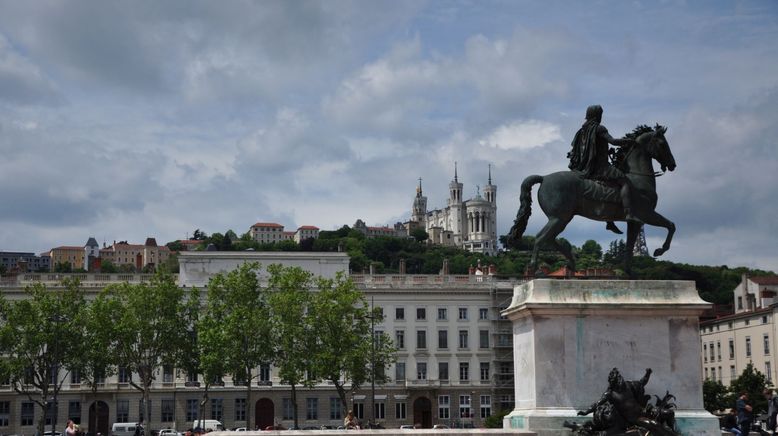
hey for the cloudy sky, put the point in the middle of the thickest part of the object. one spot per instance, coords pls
(123, 120)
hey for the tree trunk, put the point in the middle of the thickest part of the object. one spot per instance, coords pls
(294, 406)
(97, 410)
(248, 401)
(204, 401)
(341, 394)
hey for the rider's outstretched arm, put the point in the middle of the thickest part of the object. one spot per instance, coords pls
(619, 142)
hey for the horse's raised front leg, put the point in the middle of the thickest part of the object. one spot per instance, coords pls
(653, 218)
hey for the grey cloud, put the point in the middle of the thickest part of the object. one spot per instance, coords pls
(22, 82)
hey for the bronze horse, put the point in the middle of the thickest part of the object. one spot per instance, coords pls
(565, 194)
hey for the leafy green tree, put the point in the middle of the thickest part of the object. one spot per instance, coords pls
(294, 336)
(342, 319)
(495, 420)
(108, 267)
(41, 339)
(148, 330)
(199, 235)
(716, 396)
(126, 268)
(203, 345)
(420, 235)
(592, 249)
(63, 267)
(752, 382)
(242, 309)
(98, 357)
(175, 246)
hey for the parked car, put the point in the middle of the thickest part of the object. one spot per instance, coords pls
(440, 426)
(170, 432)
(49, 433)
(407, 427)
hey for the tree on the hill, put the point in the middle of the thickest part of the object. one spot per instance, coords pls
(419, 234)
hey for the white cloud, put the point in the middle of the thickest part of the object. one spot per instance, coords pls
(522, 135)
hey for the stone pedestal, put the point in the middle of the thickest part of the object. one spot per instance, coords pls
(569, 334)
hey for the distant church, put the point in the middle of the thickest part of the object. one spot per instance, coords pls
(469, 224)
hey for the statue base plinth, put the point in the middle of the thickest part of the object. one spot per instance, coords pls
(569, 334)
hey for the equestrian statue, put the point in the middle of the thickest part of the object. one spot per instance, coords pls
(598, 189)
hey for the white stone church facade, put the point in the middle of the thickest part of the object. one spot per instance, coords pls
(468, 224)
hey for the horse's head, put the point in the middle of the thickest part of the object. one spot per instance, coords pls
(662, 152)
(655, 143)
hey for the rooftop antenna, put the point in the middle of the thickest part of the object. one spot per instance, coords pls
(490, 174)
(456, 179)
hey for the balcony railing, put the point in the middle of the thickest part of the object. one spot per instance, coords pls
(87, 280)
(422, 384)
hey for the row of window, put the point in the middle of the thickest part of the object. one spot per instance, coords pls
(443, 372)
(421, 313)
(714, 353)
(421, 339)
(711, 374)
(747, 321)
(167, 410)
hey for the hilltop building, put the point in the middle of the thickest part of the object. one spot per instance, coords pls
(270, 233)
(24, 262)
(468, 224)
(398, 231)
(149, 254)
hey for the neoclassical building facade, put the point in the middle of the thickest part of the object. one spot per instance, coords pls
(454, 358)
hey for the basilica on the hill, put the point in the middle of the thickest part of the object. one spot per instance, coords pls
(469, 224)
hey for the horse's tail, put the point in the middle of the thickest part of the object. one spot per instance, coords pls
(525, 210)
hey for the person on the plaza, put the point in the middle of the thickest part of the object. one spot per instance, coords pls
(772, 410)
(351, 421)
(729, 423)
(589, 157)
(71, 430)
(745, 413)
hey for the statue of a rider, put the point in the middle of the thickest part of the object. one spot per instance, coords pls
(589, 157)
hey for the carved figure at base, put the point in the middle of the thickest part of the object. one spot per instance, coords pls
(624, 409)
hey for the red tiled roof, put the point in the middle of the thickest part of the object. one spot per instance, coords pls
(267, 225)
(564, 272)
(765, 280)
(307, 228)
(190, 241)
(68, 247)
(288, 233)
